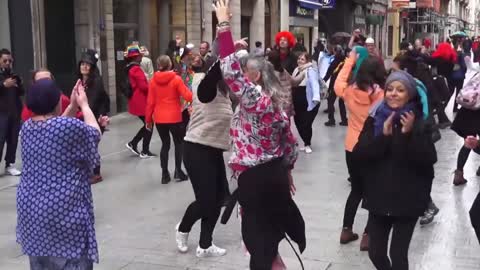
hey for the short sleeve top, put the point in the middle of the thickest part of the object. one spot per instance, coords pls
(54, 200)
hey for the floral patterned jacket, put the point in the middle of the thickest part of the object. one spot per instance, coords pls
(259, 132)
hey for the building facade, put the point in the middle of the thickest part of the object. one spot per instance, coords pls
(54, 33)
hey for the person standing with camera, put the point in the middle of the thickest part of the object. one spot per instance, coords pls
(11, 89)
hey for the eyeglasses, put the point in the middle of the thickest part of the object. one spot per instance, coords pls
(8, 61)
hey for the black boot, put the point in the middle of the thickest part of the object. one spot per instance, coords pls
(180, 175)
(166, 177)
(330, 123)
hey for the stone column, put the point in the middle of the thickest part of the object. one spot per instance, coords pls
(257, 24)
(109, 64)
(284, 15)
(194, 25)
(164, 26)
(235, 22)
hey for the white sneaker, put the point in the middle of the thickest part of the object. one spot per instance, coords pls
(301, 148)
(181, 239)
(212, 251)
(10, 170)
(308, 150)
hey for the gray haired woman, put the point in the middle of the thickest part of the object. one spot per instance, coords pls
(264, 151)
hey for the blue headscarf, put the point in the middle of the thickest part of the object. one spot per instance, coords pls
(362, 55)
(415, 88)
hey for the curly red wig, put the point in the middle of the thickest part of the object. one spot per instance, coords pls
(446, 52)
(289, 36)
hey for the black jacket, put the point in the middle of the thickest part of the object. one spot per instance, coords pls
(290, 63)
(397, 170)
(98, 99)
(333, 71)
(10, 101)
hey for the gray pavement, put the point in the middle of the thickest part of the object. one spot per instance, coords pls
(136, 215)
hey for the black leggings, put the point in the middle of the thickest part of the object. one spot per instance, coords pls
(475, 216)
(164, 131)
(379, 231)
(143, 134)
(206, 168)
(463, 156)
(331, 107)
(356, 194)
(303, 118)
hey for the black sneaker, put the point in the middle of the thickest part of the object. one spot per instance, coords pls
(133, 148)
(343, 123)
(180, 176)
(330, 123)
(166, 177)
(147, 154)
(427, 218)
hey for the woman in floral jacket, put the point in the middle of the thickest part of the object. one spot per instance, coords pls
(264, 151)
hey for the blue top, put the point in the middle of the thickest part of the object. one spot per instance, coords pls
(54, 199)
(313, 88)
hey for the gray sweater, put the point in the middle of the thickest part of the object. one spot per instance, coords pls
(210, 122)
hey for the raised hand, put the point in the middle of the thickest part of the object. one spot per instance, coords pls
(81, 96)
(241, 44)
(103, 121)
(222, 10)
(388, 125)
(407, 119)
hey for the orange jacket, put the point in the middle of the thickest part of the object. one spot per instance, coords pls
(357, 101)
(163, 102)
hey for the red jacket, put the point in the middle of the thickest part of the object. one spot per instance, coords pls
(138, 103)
(164, 104)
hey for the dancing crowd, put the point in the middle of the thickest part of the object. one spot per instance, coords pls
(223, 98)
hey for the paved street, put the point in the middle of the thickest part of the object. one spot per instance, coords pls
(136, 215)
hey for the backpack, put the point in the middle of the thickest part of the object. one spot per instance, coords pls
(469, 96)
(126, 86)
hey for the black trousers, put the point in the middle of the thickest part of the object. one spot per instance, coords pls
(303, 118)
(455, 87)
(96, 170)
(356, 194)
(164, 130)
(206, 168)
(463, 156)
(379, 232)
(9, 131)
(185, 121)
(331, 107)
(143, 134)
(475, 216)
(264, 195)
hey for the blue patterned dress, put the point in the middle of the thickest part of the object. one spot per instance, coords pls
(54, 199)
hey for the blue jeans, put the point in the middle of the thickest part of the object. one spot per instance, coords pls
(9, 130)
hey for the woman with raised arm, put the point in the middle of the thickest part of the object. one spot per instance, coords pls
(264, 151)
(55, 219)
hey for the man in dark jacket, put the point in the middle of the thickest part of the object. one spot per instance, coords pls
(11, 89)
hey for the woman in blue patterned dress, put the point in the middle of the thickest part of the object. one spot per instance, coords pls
(54, 201)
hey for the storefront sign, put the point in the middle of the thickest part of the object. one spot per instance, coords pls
(359, 22)
(424, 3)
(298, 11)
(317, 4)
(396, 4)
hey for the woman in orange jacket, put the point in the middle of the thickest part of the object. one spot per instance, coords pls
(165, 109)
(359, 85)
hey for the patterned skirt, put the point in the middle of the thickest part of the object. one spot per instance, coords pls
(55, 263)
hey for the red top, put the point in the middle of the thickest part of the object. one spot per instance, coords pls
(164, 104)
(138, 102)
(27, 114)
